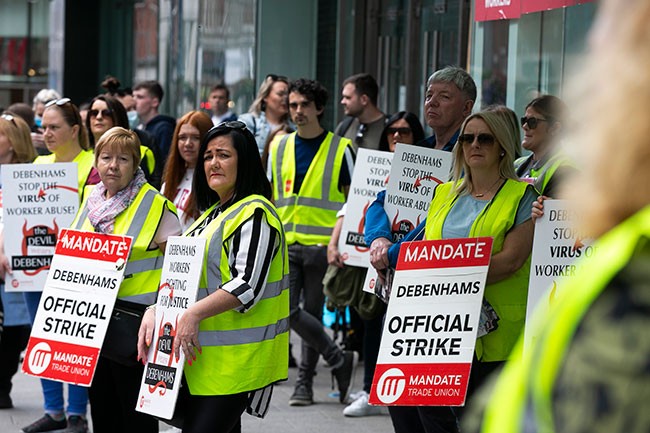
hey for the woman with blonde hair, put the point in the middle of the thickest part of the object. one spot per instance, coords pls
(15, 148)
(123, 203)
(181, 161)
(587, 371)
(270, 109)
(484, 198)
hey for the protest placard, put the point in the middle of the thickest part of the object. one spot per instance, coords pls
(431, 323)
(38, 201)
(179, 284)
(415, 173)
(371, 171)
(556, 246)
(76, 305)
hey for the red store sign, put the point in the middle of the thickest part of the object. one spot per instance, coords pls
(490, 10)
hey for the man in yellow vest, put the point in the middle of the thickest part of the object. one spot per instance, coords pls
(311, 172)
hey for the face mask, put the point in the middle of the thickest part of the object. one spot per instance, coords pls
(38, 121)
(133, 119)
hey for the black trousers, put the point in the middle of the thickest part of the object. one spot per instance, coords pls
(113, 396)
(14, 340)
(215, 414)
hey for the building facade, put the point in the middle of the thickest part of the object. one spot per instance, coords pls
(514, 49)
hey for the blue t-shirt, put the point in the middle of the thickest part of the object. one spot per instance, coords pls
(306, 149)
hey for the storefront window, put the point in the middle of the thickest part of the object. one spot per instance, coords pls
(519, 59)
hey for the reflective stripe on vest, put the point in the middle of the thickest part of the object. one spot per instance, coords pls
(309, 215)
(522, 397)
(244, 336)
(143, 268)
(509, 296)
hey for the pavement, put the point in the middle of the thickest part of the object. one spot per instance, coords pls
(322, 417)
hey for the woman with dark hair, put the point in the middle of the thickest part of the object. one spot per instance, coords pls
(106, 112)
(401, 127)
(543, 123)
(270, 109)
(243, 289)
(181, 161)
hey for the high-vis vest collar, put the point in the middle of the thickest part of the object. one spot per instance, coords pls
(84, 159)
(522, 398)
(242, 351)
(542, 176)
(310, 215)
(507, 297)
(140, 221)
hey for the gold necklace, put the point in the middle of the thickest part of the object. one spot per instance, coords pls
(479, 195)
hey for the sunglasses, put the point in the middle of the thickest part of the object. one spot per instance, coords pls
(276, 77)
(483, 139)
(58, 102)
(400, 131)
(105, 113)
(531, 121)
(9, 118)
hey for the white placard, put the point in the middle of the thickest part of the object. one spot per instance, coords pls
(431, 324)
(556, 246)
(371, 171)
(38, 201)
(415, 172)
(179, 284)
(76, 305)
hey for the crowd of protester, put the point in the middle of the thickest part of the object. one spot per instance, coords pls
(268, 189)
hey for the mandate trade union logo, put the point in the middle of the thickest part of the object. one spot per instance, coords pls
(40, 357)
(391, 385)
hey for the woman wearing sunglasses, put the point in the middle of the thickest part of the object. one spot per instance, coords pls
(66, 137)
(484, 198)
(106, 112)
(270, 109)
(543, 123)
(235, 337)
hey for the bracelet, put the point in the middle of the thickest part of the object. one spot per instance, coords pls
(150, 307)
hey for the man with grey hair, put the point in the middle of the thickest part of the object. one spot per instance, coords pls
(450, 97)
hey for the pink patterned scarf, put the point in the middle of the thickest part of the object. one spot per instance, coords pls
(102, 211)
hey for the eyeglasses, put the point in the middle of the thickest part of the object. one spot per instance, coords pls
(400, 131)
(531, 121)
(483, 139)
(9, 118)
(58, 102)
(231, 124)
(276, 77)
(105, 113)
(358, 139)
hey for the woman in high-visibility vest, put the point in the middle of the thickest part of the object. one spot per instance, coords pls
(543, 125)
(235, 338)
(123, 203)
(65, 136)
(587, 369)
(15, 148)
(485, 198)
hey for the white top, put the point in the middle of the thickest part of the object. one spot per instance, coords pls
(181, 197)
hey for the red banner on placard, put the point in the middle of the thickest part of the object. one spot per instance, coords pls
(488, 10)
(421, 384)
(448, 253)
(56, 360)
(94, 246)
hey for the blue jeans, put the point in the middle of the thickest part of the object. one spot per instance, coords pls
(52, 390)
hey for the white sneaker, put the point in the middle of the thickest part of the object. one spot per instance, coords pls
(360, 407)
